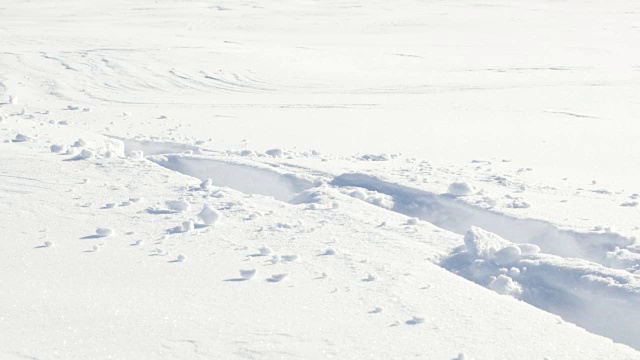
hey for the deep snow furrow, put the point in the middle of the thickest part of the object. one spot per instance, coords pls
(446, 212)
(244, 178)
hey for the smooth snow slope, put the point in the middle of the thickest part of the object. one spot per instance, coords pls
(380, 180)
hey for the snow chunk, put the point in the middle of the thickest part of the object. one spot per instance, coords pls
(518, 203)
(248, 274)
(56, 148)
(22, 138)
(623, 259)
(506, 286)
(178, 205)
(507, 255)
(483, 244)
(277, 277)
(209, 215)
(329, 252)
(206, 184)
(84, 155)
(415, 320)
(358, 194)
(136, 155)
(79, 143)
(275, 152)
(188, 226)
(529, 249)
(412, 221)
(460, 188)
(104, 232)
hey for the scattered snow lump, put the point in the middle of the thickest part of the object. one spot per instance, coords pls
(79, 143)
(529, 249)
(178, 205)
(57, 148)
(206, 184)
(209, 215)
(358, 194)
(460, 188)
(85, 154)
(103, 232)
(275, 152)
(136, 155)
(507, 255)
(181, 258)
(412, 221)
(277, 277)
(370, 277)
(22, 138)
(248, 274)
(505, 285)
(483, 244)
(415, 320)
(188, 226)
(329, 252)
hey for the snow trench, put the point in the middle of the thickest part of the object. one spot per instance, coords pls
(149, 147)
(244, 178)
(556, 270)
(498, 254)
(446, 212)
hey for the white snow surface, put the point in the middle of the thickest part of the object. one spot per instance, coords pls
(386, 179)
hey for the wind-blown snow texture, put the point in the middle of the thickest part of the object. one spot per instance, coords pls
(337, 179)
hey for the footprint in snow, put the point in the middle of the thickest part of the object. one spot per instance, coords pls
(375, 310)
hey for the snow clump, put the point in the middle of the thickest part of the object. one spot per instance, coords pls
(209, 215)
(178, 205)
(460, 188)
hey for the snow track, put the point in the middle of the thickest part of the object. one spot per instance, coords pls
(240, 177)
(567, 283)
(567, 278)
(446, 212)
